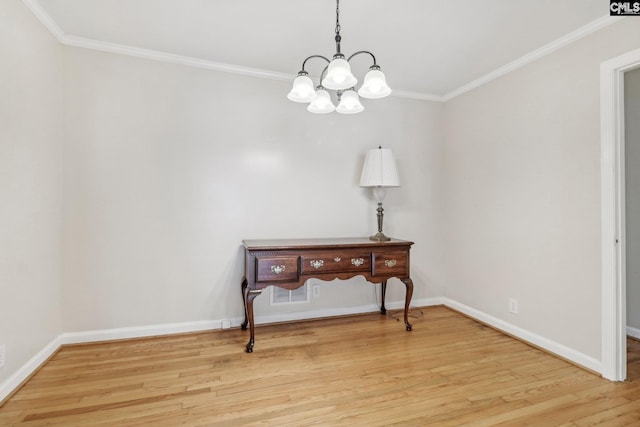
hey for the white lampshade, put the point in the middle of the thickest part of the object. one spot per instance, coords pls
(302, 90)
(339, 75)
(349, 103)
(322, 103)
(375, 85)
(379, 169)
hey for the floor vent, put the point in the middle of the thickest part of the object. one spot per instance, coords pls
(284, 296)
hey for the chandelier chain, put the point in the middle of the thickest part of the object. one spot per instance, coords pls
(337, 17)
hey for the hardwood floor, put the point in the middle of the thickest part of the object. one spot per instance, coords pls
(357, 371)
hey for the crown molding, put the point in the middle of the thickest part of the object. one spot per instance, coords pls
(46, 20)
(76, 41)
(545, 50)
(417, 95)
(156, 55)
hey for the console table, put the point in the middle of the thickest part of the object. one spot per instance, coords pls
(290, 263)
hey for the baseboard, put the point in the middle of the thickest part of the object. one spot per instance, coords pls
(207, 325)
(536, 340)
(11, 384)
(138, 331)
(8, 387)
(343, 311)
(633, 332)
(19, 377)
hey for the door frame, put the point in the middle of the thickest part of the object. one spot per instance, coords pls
(614, 319)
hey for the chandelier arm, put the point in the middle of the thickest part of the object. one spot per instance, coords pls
(324, 71)
(313, 56)
(364, 51)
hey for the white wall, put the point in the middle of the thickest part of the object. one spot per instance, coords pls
(632, 197)
(522, 180)
(30, 186)
(168, 168)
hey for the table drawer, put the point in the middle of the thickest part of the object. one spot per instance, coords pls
(391, 263)
(276, 268)
(332, 262)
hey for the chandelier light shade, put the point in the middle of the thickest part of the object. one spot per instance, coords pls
(322, 103)
(349, 103)
(379, 172)
(337, 76)
(302, 90)
(375, 84)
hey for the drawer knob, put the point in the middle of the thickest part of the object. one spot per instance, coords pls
(316, 263)
(277, 269)
(390, 262)
(357, 261)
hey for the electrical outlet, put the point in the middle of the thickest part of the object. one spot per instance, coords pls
(316, 291)
(3, 349)
(225, 324)
(513, 306)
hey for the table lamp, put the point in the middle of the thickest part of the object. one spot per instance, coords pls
(380, 173)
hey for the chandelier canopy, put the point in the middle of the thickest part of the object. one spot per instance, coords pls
(337, 76)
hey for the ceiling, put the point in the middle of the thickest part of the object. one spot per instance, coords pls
(426, 48)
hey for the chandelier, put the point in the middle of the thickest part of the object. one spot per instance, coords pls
(337, 76)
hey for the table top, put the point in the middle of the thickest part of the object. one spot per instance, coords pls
(355, 242)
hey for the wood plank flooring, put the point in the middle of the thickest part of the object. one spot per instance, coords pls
(356, 371)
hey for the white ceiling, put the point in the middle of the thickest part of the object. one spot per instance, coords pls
(428, 48)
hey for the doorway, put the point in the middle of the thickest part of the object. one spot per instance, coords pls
(614, 310)
(632, 211)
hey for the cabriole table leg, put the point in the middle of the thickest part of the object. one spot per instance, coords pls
(251, 295)
(409, 284)
(244, 304)
(383, 291)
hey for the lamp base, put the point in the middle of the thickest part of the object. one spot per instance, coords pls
(379, 237)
